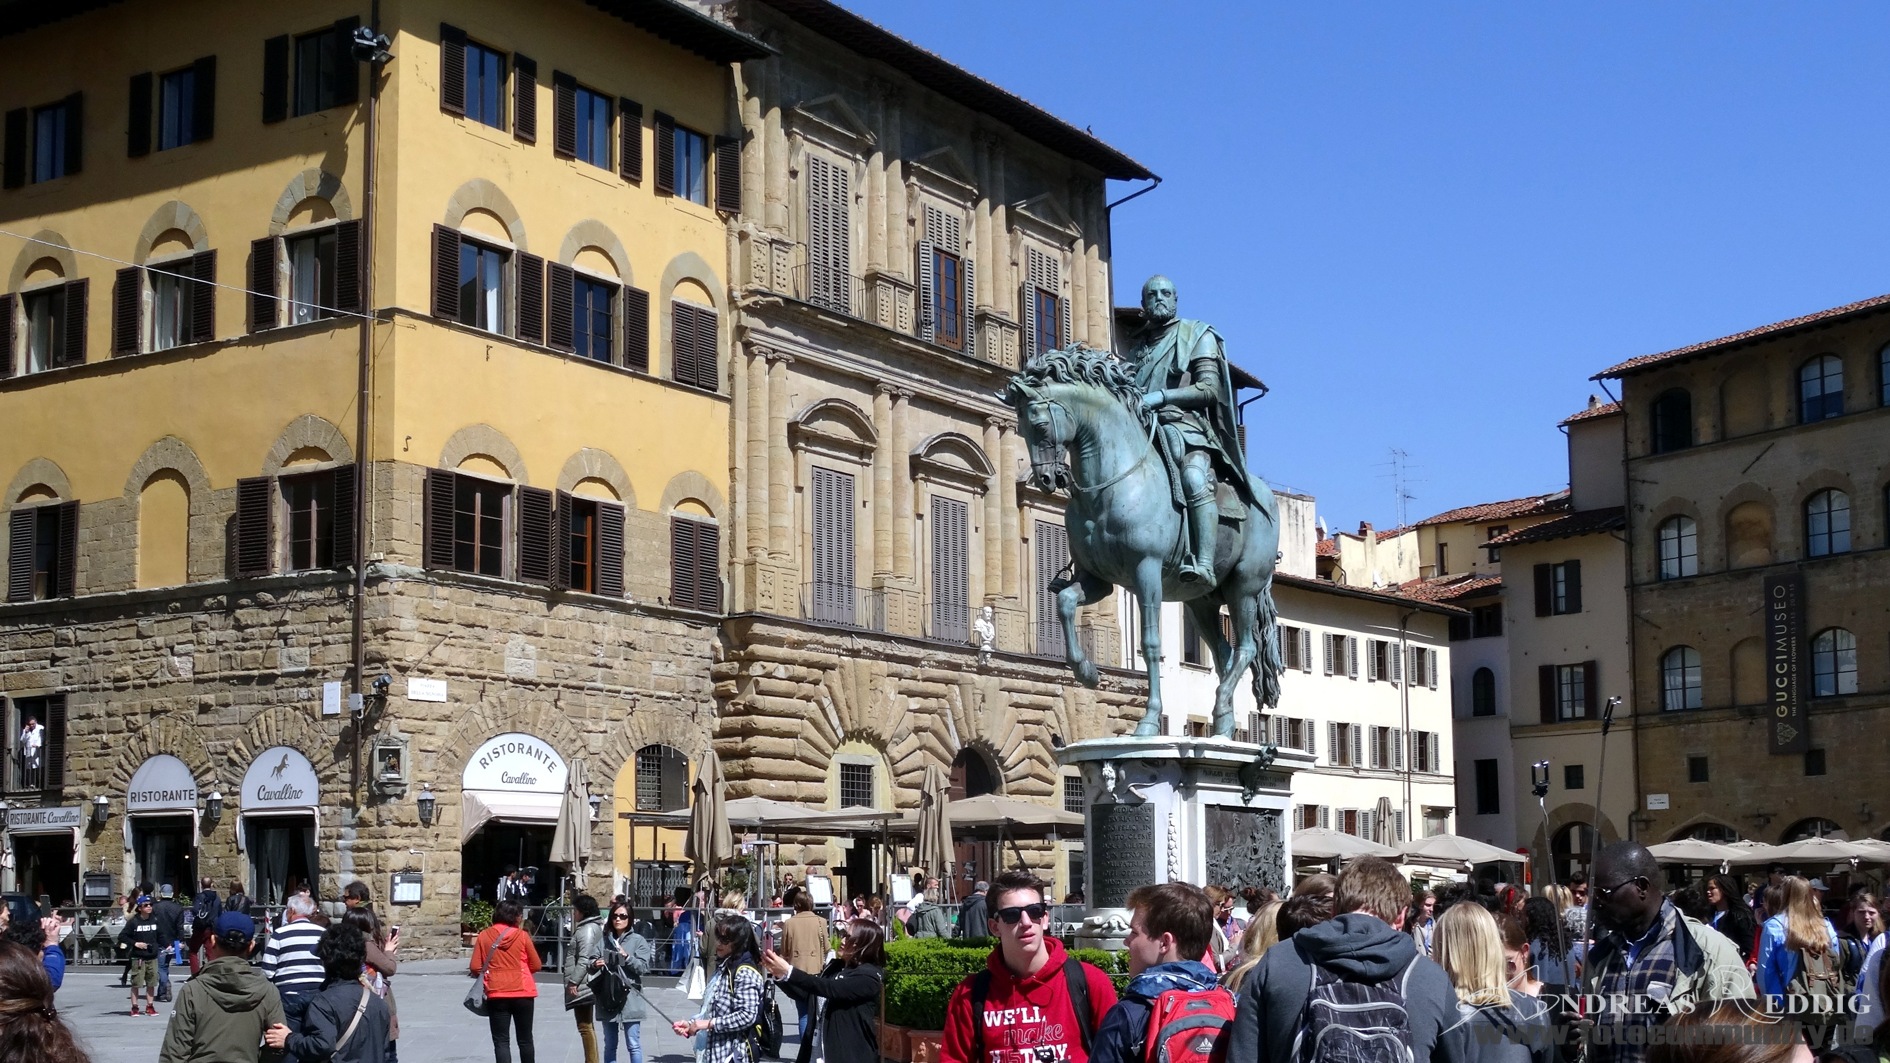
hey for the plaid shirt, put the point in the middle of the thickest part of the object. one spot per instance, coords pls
(734, 1010)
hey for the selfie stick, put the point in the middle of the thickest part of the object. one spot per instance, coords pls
(1601, 778)
(1539, 780)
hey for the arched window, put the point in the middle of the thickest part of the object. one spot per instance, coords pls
(1833, 663)
(1828, 524)
(1679, 548)
(1717, 833)
(1811, 828)
(1820, 389)
(1680, 679)
(662, 779)
(1483, 693)
(1673, 421)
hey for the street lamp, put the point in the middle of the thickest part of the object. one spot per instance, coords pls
(213, 807)
(597, 802)
(426, 803)
(101, 807)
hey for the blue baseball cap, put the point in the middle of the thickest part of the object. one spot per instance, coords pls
(231, 924)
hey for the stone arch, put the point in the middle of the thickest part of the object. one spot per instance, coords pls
(1703, 819)
(1749, 525)
(172, 215)
(657, 724)
(1566, 814)
(593, 464)
(535, 713)
(980, 751)
(43, 244)
(307, 431)
(174, 454)
(1747, 664)
(312, 183)
(481, 194)
(1745, 400)
(176, 734)
(593, 233)
(955, 457)
(837, 420)
(692, 484)
(37, 471)
(688, 266)
(489, 441)
(283, 725)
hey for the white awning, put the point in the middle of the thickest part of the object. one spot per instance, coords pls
(242, 835)
(195, 814)
(480, 807)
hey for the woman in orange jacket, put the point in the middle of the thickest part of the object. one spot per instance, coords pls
(510, 989)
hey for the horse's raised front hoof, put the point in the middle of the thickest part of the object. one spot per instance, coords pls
(1086, 673)
(1149, 727)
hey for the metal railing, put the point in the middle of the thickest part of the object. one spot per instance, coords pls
(26, 771)
(1047, 638)
(829, 602)
(948, 621)
(829, 288)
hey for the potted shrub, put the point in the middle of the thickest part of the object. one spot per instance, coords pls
(474, 916)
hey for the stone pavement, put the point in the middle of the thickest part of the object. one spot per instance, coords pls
(434, 1026)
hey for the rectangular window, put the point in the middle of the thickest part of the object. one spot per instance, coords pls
(309, 500)
(479, 517)
(1073, 794)
(694, 334)
(485, 85)
(1443, 559)
(1697, 770)
(1436, 821)
(1423, 757)
(662, 779)
(692, 165)
(45, 327)
(51, 127)
(1814, 762)
(324, 70)
(829, 281)
(1048, 315)
(951, 587)
(1573, 777)
(1051, 544)
(1379, 666)
(1486, 621)
(1559, 588)
(1489, 788)
(1193, 650)
(177, 109)
(42, 555)
(695, 554)
(312, 276)
(591, 302)
(856, 785)
(482, 286)
(581, 546)
(1496, 553)
(593, 127)
(170, 306)
(948, 279)
(832, 598)
(1571, 692)
(35, 740)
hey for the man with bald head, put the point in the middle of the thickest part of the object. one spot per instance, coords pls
(1649, 960)
(1182, 372)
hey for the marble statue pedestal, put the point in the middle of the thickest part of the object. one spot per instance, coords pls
(1169, 809)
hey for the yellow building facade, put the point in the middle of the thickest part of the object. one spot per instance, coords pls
(465, 266)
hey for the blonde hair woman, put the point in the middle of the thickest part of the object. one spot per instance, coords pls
(1262, 933)
(1799, 934)
(1514, 1026)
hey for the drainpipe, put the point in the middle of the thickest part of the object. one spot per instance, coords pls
(363, 388)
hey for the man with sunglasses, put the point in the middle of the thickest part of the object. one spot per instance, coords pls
(1650, 960)
(1032, 1003)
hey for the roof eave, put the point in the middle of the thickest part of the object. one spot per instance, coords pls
(1322, 586)
(1763, 334)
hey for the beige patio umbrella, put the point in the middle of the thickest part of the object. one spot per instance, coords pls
(935, 832)
(1324, 843)
(571, 841)
(709, 843)
(1695, 851)
(1454, 849)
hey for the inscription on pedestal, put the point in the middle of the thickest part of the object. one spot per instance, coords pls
(1245, 847)
(1121, 852)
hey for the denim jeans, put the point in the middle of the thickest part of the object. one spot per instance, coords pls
(632, 1039)
(164, 958)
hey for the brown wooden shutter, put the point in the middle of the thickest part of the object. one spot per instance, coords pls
(970, 307)
(1545, 590)
(728, 175)
(68, 574)
(705, 364)
(452, 70)
(14, 173)
(255, 525)
(203, 117)
(630, 139)
(341, 55)
(203, 296)
(341, 530)
(350, 292)
(608, 579)
(1572, 574)
(9, 333)
(636, 329)
(682, 346)
(1545, 682)
(708, 566)
(54, 755)
(138, 120)
(535, 532)
(563, 114)
(22, 533)
(682, 563)
(665, 153)
(262, 287)
(275, 94)
(834, 546)
(950, 572)
(561, 544)
(928, 291)
(559, 279)
(445, 273)
(1027, 299)
(442, 487)
(531, 298)
(127, 300)
(72, 351)
(1591, 680)
(525, 98)
(75, 133)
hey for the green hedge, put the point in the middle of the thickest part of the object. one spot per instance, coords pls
(922, 972)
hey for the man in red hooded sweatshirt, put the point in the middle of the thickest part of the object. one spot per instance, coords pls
(1032, 1003)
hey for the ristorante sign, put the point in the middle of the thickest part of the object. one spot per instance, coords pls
(518, 762)
(1787, 727)
(45, 820)
(280, 778)
(161, 783)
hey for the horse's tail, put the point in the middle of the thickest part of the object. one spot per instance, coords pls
(1269, 665)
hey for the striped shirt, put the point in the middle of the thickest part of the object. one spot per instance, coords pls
(289, 958)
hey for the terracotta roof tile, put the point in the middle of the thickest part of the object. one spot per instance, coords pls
(1387, 595)
(1514, 507)
(1444, 589)
(1587, 522)
(1605, 409)
(1326, 548)
(1822, 317)
(1393, 533)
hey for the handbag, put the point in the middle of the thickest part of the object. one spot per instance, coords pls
(476, 996)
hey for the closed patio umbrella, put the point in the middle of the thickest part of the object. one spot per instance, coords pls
(709, 843)
(571, 841)
(935, 832)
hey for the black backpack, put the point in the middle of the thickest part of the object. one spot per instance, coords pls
(204, 913)
(1073, 977)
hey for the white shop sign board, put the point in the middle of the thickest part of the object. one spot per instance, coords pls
(280, 779)
(162, 784)
(511, 778)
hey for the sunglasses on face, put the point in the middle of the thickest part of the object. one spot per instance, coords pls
(1608, 892)
(1012, 916)
(625, 916)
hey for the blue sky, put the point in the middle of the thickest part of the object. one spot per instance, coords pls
(1426, 225)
